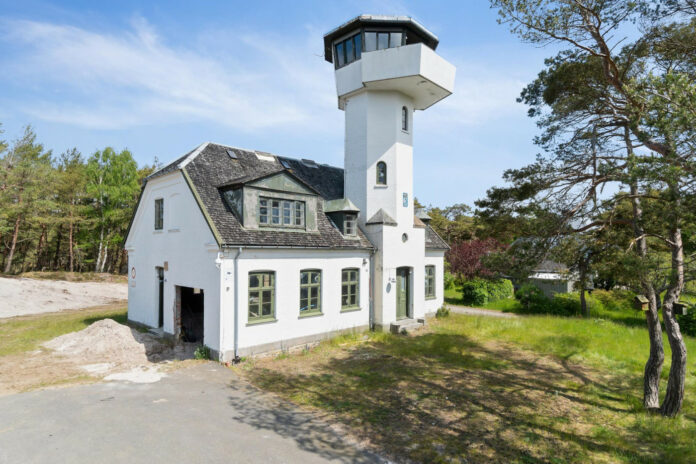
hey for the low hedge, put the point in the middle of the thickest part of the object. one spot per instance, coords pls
(481, 291)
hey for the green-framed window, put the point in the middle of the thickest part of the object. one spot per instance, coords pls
(350, 288)
(261, 295)
(430, 281)
(276, 212)
(310, 291)
(159, 214)
(381, 173)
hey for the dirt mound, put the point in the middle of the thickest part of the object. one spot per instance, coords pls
(108, 341)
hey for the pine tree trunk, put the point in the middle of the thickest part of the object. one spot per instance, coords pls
(13, 244)
(39, 247)
(99, 254)
(70, 238)
(106, 255)
(56, 256)
(653, 367)
(656, 357)
(674, 396)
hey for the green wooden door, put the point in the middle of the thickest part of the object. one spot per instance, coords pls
(402, 292)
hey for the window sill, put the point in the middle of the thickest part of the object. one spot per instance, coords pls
(380, 186)
(175, 229)
(158, 231)
(431, 297)
(310, 314)
(405, 131)
(351, 309)
(262, 320)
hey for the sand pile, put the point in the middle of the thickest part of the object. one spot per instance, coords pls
(107, 341)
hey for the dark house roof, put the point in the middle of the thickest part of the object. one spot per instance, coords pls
(211, 166)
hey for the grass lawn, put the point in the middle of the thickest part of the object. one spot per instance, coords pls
(477, 389)
(26, 333)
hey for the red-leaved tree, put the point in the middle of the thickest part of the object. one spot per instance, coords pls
(465, 257)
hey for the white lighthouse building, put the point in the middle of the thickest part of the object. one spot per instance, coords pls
(248, 252)
(387, 68)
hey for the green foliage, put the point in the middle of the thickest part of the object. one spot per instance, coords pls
(532, 299)
(687, 322)
(500, 289)
(614, 300)
(475, 292)
(479, 292)
(442, 311)
(449, 280)
(202, 352)
(65, 212)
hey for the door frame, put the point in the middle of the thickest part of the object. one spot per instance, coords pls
(160, 296)
(409, 291)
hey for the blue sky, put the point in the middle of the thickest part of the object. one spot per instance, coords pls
(159, 78)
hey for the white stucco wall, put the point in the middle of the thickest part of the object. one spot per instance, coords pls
(185, 243)
(288, 325)
(436, 258)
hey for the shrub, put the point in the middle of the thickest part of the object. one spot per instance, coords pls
(687, 323)
(532, 299)
(614, 300)
(202, 352)
(449, 280)
(481, 291)
(565, 304)
(475, 292)
(442, 311)
(500, 289)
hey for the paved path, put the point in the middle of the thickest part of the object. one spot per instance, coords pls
(200, 414)
(480, 312)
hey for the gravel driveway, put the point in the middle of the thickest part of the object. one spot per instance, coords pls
(203, 413)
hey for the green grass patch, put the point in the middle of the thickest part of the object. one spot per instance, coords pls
(74, 276)
(26, 333)
(482, 389)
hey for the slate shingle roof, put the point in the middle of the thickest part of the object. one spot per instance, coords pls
(433, 241)
(212, 167)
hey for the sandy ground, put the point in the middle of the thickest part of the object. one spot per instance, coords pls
(21, 296)
(105, 350)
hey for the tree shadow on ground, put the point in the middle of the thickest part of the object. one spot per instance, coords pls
(441, 397)
(309, 430)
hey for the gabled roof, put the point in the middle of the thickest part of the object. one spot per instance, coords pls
(340, 205)
(381, 217)
(433, 241)
(211, 166)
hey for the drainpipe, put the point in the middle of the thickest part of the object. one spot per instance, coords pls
(372, 290)
(236, 305)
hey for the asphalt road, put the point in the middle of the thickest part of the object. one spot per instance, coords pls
(200, 414)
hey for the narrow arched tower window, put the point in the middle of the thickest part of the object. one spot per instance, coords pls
(381, 173)
(404, 118)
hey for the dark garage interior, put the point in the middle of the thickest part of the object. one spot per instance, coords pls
(191, 314)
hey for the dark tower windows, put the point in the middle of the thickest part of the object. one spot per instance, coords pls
(381, 173)
(404, 119)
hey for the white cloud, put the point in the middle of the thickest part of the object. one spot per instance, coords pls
(133, 78)
(247, 82)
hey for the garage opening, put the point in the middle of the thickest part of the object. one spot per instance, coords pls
(191, 326)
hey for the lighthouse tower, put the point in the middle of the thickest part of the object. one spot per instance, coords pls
(387, 68)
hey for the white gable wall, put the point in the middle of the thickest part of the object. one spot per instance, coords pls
(185, 243)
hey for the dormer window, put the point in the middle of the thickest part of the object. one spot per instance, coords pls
(381, 173)
(350, 226)
(276, 212)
